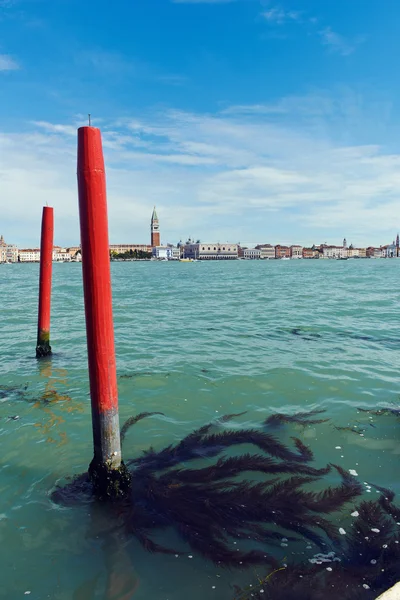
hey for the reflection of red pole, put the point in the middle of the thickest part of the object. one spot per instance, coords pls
(46, 262)
(106, 468)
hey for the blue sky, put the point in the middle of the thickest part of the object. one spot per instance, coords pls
(241, 120)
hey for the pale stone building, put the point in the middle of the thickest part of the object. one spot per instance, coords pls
(61, 254)
(122, 248)
(8, 252)
(209, 250)
(168, 252)
(267, 251)
(376, 252)
(11, 253)
(251, 253)
(353, 252)
(334, 252)
(390, 250)
(296, 251)
(29, 255)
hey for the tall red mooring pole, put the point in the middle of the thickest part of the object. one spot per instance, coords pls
(107, 471)
(43, 347)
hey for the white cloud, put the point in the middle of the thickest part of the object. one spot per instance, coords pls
(54, 128)
(336, 42)
(243, 174)
(278, 15)
(7, 63)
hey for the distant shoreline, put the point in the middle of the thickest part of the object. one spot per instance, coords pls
(328, 259)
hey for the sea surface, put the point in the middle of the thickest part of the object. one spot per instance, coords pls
(194, 341)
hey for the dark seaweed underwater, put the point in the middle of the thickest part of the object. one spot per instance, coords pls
(285, 500)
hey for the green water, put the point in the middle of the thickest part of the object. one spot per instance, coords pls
(194, 341)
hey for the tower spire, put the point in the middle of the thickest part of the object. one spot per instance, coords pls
(155, 229)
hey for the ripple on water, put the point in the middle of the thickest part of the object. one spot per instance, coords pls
(193, 342)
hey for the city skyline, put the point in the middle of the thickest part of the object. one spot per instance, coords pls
(261, 119)
(193, 249)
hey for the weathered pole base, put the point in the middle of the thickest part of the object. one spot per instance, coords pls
(43, 350)
(43, 347)
(109, 483)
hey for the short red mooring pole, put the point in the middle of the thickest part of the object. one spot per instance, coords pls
(43, 347)
(107, 471)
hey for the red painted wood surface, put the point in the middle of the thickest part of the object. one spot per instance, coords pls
(46, 264)
(98, 298)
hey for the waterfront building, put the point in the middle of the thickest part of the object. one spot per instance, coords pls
(61, 254)
(8, 252)
(168, 252)
(29, 255)
(73, 250)
(33, 254)
(362, 252)
(11, 253)
(398, 245)
(210, 250)
(122, 248)
(296, 251)
(155, 229)
(353, 252)
(310, 253)
(267, 251)
(390, 250)
(252, 253)
(282, 251)
(376, 252)
(334, 252)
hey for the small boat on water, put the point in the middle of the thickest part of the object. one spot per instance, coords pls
(187, 260)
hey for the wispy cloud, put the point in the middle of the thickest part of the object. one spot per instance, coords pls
(106, 62)
(279, 15)
(276, 15)
(7, 63)
(336, 42)
(54, 128)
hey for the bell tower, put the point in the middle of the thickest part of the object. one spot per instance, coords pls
(155, 230)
